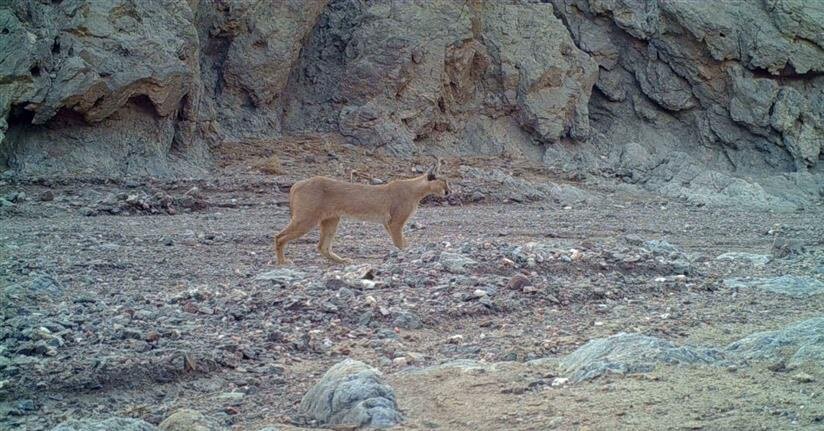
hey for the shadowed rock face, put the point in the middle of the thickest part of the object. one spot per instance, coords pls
(690, 99)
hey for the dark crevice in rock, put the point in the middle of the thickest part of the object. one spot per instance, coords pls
(787, 74)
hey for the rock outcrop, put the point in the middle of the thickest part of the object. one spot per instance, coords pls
(101, 88)
(631, 353)
(712, 102)
(694, 99)
(472, 77)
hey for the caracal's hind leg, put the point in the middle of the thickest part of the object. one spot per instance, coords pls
(328, 228)
(395, 229)
(296, 229)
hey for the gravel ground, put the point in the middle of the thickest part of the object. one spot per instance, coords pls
(134, 300)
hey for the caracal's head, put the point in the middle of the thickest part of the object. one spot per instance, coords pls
(438, 186)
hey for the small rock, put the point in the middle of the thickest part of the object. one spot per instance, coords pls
(407, 320)
(477, 196)
(754, 259)
(803, 378)
(130, 333)
(479, 293)
(47, 196)
(231, 396)
(518, 282)
(281, 276)
(456, 263)
(783, 248)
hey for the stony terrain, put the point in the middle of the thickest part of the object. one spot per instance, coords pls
(634, 240)
(125, 299)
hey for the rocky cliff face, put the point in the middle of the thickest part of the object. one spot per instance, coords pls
(710, 101)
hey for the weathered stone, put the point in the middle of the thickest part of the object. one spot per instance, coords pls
(631, 353)
(187, 420)
(790, 285)
(281, 276)
(74, 65)
(456, 263)
(352, 393)
(752, 258)
(798, 344)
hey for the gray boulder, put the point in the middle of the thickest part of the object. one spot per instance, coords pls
(352, 393)
(111, 424)
(629, 354)
(798, 344)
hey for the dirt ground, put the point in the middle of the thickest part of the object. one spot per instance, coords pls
(147, 313)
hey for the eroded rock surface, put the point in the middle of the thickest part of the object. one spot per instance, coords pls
(798, 344)
(714, 103)
(115, 423)
(790, 285)
(631, 353)
(352, 393)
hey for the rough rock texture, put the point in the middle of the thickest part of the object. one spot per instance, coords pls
(798, 344)
(694, 99)
(711, 102)
(790, 285)
(352, 393)
(120, 424)
(631, 353)
(187, 420)
(474, 77)
(105, 87)
(248, 49)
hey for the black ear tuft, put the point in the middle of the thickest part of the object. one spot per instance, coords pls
(430, 177)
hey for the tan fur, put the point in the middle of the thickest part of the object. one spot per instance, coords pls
(323, 201)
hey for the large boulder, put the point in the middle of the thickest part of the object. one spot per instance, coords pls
(352, 393)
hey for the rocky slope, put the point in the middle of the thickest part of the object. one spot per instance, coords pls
(714, 102)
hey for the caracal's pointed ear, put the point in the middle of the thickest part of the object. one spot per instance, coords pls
(430, 173)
